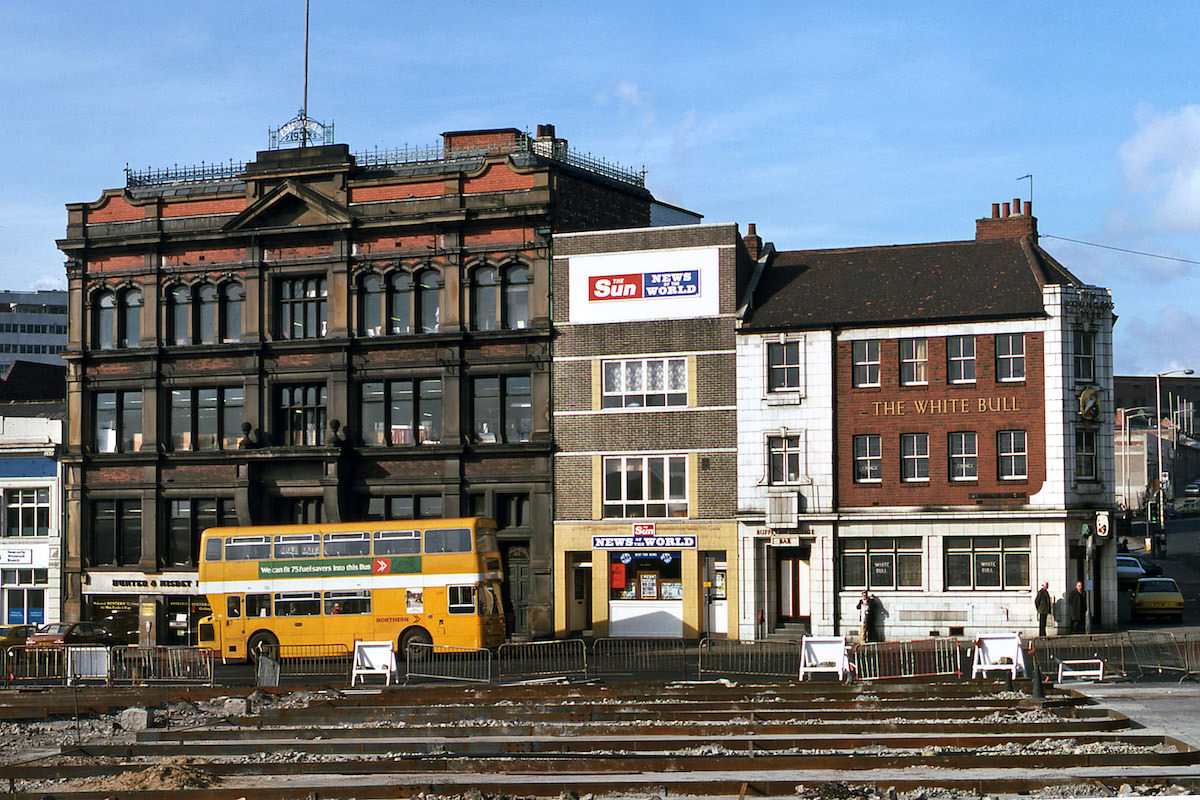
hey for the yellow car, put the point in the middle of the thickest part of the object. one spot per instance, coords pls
(15, 635)
(1157, 597)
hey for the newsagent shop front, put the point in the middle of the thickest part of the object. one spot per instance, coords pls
(643, 580)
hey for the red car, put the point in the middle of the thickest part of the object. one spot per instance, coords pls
(70, 633)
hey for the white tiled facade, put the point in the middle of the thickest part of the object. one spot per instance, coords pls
(1054, 518)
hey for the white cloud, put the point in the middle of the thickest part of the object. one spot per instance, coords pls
(1150, 344)
(1161, 166)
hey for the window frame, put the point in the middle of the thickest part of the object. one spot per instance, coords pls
(866, 363)
(963, 455)
(782, 450)
(302, 306)
(785, 366)
(872, 556)
(513, 413)
(127, 438)
(621, 499)
(424, 424)
(25, 502)
(914, 361)
(1087, 456)
(914, 457)
(1084, 363)
(1010, 362)
(620, 394)
(958, 362)
(303, 422)
(1008, 453)
(868, 461)
(1003, 551)
(186, 403)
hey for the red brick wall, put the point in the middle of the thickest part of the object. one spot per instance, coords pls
(396, 191)
(194, 256)
(891, 410)
(498, 178)
(114, 209)
(113, 263)
(229, 205)
(310, 251)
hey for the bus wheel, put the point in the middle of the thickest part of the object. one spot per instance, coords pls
(262, 643)
(415, 636)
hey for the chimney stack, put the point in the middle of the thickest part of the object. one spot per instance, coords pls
(1008, 221)
(753, 242)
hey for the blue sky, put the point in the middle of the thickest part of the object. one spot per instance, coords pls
(827, 124)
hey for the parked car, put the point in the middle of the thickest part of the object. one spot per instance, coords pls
(1150, 566)
(69, 633)
(1129, 571)
(1157, 597)
(1192, 490)
(15, 635)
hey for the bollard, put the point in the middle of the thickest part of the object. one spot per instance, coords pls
(1035, 675)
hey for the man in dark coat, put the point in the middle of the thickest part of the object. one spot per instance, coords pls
(1043, 605)
(1077, 605)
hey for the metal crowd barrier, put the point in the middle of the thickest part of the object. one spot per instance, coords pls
(1159, 653)
(36, 665)
(314, 661)
(562, 658)
(764, 658)
(161, 664)
(1113, 649)
(620, 656)
(919, 658)
(446, 663)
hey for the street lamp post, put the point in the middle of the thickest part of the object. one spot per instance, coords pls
(1158, 436)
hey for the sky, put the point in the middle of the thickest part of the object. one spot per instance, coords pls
(826, 124)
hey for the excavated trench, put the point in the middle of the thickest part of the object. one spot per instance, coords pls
(826, 740)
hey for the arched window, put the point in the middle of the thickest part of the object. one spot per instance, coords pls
(371, 304)
(485, 297)
(231, 312)
(105, 318)
(206, 317)
(400, 303)
(131, 318)
(179, 306)
(429, 285)
(516, 296)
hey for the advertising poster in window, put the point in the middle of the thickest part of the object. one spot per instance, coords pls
(647, 285)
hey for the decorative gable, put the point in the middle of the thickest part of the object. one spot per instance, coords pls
(290, 204)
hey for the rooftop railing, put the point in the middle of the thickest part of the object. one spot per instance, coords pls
(406, 156)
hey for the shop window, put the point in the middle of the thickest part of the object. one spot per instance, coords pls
(987, 562)
(1085, 357)
(116, 532)
(206, 419)
(644, 382)
(964, 456)
(302, 415)
(117, 419)
(302, 308)
(881, 563)
(645, 576)
(1012, 454)
(866, 362)
(960, 359)
(503, 410)
(1085, 455)
(868, 458)
(1010, 357)
(914, 456)
(914, 359)
(645, 486)
(784, 366)
(401, 413)
(24, 596)
(27, 512)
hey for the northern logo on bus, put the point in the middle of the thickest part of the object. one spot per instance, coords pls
(381, 566)
(642, 285)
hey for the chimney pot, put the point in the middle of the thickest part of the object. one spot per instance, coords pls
(1004, 210)
(1029, 208)
(1016, 205)
(995, 211)
(545, 131)
(752, 229)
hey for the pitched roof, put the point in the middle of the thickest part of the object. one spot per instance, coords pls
(905, 284)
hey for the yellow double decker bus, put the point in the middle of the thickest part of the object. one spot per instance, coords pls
(420, 581)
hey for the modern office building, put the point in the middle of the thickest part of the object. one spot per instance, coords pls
(33, 327)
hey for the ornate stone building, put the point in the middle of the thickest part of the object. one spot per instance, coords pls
(317, 335)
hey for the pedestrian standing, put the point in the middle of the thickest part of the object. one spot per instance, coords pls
(1077, 606)
(865, 613)
(1042, 604)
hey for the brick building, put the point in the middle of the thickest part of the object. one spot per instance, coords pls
(931, 423)
(645, 426)
(317, 335)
